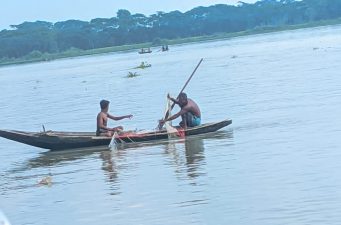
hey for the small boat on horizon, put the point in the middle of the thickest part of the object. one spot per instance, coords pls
(144, 51)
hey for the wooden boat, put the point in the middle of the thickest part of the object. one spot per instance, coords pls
(55, 140)
(144, 51)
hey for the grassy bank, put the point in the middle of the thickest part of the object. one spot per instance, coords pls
(73, 52)
(36, 56)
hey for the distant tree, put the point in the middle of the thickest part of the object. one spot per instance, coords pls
(32, 39)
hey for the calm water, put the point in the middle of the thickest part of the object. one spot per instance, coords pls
(278, 163)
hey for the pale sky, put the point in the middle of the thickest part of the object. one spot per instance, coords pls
(14, 12)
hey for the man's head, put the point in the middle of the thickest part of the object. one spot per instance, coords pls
(104, 104)
(182, 99)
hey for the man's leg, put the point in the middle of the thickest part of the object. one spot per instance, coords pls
(183, 121)
(190, 119)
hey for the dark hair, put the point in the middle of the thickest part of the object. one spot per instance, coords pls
(104, 104)
(183, 95)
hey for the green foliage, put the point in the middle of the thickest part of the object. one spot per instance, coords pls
(34, 54)
(157, 41)
(132, 75)
(143, 65)
(44, 41)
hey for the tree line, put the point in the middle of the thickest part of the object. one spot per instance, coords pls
(30, 38)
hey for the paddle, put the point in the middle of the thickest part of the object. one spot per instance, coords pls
(167, 113)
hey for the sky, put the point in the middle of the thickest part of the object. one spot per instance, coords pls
(13, 12)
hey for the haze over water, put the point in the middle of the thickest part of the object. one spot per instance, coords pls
(278, 163)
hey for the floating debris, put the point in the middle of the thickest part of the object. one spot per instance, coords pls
(234, 56)
(316, 48)
(143, 65)
(131, 75)
(46, 181)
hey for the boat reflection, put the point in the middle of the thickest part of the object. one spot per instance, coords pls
(194, 148)
(194, 156)
(54, 158)
(109, 165)
(188, 155)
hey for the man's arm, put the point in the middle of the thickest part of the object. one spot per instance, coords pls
(101, 125)
(173, 99)
(119, 117)
(182, 111)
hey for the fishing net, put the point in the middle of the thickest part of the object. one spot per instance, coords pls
(172, 131)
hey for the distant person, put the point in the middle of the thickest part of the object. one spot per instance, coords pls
(190, 112)
(102, 120)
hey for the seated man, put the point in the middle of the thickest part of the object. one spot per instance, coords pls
(102, 120)
(190, 112)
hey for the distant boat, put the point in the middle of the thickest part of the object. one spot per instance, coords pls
(144, 51)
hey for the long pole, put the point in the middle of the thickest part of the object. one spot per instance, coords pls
(188, 80)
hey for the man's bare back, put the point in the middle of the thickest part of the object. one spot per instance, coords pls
(190, 112)
(102, 121)
(192, 107)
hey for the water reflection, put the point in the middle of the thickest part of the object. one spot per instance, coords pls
(54, 158)
(194, 156)
(111, 169)
(109, 165)
(188, 155)
(194, 147)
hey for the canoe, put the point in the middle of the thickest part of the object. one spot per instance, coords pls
(56, 140)
(143, 51)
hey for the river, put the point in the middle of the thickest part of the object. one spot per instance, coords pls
(277, 163)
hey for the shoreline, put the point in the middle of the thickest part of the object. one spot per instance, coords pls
(72, 53)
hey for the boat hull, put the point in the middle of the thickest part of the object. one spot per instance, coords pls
(146, 52)
(70, 140)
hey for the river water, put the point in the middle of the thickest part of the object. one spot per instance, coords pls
(278, 163)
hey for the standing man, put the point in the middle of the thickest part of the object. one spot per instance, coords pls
(102, 120)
